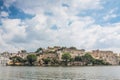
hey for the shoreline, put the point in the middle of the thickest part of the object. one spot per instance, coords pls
(62, 66)
(65, 66)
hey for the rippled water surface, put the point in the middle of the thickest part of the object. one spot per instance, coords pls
(60, 73)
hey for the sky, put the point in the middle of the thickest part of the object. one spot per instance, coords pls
(85, 24)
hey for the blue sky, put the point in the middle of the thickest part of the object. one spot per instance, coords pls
(88, 24)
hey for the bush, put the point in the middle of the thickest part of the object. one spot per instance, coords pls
(17, 59)
(66, 58)
(78, 58)
(31, 58)
(46, 60)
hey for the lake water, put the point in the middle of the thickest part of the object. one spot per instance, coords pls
(60, 73)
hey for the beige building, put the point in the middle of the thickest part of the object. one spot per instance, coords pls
(107, 56)
(73, 52)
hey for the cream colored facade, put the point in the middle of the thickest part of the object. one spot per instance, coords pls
(57, 52)
(72, 52)
(107, 56)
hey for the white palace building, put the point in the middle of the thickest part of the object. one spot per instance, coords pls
(3, 60)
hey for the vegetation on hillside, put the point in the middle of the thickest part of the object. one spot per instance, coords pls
(66, 58)
(89, 60)
(31, 58)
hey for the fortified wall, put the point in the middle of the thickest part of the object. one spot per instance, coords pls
(107, 56)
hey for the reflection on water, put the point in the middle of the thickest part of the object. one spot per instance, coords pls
(60, 73)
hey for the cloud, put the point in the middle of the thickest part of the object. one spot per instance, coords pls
(10, 29)
(8, 3)
(111, 14)
(56, 24)
(86, 4)
(4, 14)
(39, 5)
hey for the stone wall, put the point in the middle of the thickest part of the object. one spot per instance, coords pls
(72, 52)
(107, 56)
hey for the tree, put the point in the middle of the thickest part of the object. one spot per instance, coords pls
(23, 51)
(74, 48)
(66, 58)
(46, 60)
(88, 59)
(54, 61)
(16, 59)
(78, 58)
(20, 59)
(31, 58)
(39, 50)
(100, 62)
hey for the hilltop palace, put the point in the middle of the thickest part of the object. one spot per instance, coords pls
(56, 52)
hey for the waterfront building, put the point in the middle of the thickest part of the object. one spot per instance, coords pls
(107, 56)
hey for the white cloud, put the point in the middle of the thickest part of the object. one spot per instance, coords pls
(10, 29)
(86, 4)
(7, 3)
(110, 15)
(50, 5)
(4, 14)
(72, 30)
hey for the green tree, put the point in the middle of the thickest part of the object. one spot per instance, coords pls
(88, 59)
(16, 59)
(20, 59)
(78, 58)
(100, 62)
(39, 50)
(46, 60)
(31, 58)
(54, 61)
(23, 51)
(74, 48)
(66, 58)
